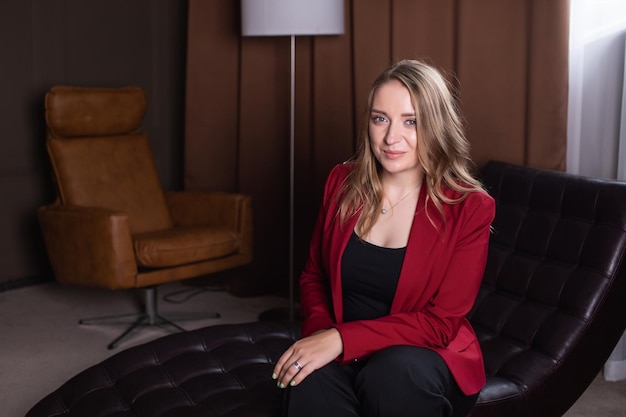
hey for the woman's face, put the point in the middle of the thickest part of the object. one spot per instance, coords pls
(392, 129)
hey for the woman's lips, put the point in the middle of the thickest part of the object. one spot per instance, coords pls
(393, 154)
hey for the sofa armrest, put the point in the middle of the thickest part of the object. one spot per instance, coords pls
(89, 246)
(214, 209)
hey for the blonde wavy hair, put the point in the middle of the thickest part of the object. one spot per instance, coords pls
(443, 150)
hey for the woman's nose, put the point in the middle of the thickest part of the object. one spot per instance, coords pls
(393, 134)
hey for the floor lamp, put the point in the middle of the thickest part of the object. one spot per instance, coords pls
(292, 18)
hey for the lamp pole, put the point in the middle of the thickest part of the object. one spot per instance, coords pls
(292, 18)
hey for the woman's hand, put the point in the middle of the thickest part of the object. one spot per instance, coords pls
(307, 355)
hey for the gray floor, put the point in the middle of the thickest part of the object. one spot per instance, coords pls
(41, 344)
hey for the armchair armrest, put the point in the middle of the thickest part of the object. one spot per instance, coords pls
(213, 209)
(89, 246)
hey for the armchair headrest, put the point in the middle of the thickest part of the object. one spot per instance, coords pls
(86, 111)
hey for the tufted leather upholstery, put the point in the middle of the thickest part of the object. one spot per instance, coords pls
(551, 309)
(215, 371)
(552, 304)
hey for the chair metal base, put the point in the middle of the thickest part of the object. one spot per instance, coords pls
(150, 317)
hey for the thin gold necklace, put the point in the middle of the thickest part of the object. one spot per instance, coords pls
(385, 211)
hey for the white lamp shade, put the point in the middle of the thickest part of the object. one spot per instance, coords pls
(291, 17)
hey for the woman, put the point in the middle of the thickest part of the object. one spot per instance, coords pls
(395, 264)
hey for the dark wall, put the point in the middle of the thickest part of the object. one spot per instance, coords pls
(509, 58)
(88, 43)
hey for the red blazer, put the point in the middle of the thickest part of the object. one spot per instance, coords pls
(439, 281)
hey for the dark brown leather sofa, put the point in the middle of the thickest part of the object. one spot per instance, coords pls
(550, 311)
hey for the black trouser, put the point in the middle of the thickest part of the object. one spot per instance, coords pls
(397, 381)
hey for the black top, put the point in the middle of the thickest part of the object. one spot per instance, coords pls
(369, 276)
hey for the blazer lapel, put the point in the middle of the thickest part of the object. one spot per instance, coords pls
(418, 258)
(340, 235)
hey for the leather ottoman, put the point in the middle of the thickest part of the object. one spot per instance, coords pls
(221, 370)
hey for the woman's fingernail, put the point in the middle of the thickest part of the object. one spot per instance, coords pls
(282, 385)
(292, 383)
(274, 376)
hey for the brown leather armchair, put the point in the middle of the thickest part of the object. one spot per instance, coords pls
(112, 225)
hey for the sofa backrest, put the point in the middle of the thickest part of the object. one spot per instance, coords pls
(552, 304)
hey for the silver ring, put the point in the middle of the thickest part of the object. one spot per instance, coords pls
(297, 365)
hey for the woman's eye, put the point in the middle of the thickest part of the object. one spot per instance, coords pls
(378, 119)
(411, 122)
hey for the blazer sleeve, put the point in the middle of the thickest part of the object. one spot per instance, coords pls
(433, 317)
(315, 293)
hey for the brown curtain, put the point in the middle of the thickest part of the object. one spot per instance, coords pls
(508, 58)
